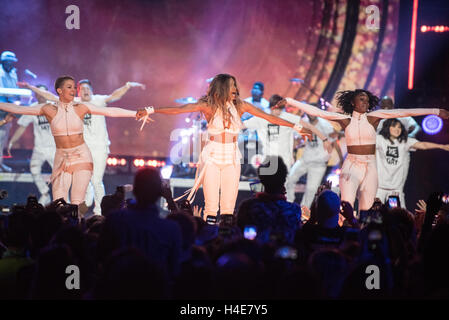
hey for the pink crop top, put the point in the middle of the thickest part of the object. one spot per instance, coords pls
(66, 122)
(216, 124)
(360, 131)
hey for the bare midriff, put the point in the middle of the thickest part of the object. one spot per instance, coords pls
(362, 149)
(67, 142)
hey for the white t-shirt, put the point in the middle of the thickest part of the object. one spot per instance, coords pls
(95, 130)
(275, 139)
(390, 159)
(263, 104)
(41, 130)
(314, 150)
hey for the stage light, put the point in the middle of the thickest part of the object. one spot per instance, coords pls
(434, 29)
(432, 124)
(166, 171)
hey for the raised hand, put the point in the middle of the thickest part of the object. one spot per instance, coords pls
(421, 207)
(135, 84)
(197, 211)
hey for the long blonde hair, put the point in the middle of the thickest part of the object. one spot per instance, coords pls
(217, 96)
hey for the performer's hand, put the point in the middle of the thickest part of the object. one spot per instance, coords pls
(135, 84)
(444, 114)
(445, 147)
(9, 117)
(281, 104)
(23, 84)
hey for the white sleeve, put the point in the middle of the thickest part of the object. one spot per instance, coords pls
(314, 111)
(25, 120)
(401, 113)
(411, 142)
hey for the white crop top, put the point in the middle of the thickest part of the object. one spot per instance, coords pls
(217, 125)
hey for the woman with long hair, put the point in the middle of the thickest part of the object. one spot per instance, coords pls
(73, 161)
(218, 169)
(359, 173)
(392, 147)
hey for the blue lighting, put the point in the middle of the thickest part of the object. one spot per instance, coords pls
(432, 124)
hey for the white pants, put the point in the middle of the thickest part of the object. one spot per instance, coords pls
(383, 195)
(4, 134)
(220, 186)
(359, 178)
(38, 159)
(96, 191)
(315, 172)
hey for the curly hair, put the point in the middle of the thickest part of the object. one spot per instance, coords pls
(385, 131)
(346, 98)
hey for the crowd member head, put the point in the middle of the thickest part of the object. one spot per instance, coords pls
(327, 209)
(65, 88)
(39, 98)
(275, 109)
(85, 90)
(147, 186)
(8, 60)
(272, 174)
(222, 89)
(257, 91)
(358, 100)
(386, 103)
(394, 129)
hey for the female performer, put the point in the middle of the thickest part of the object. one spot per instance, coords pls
(73, 161)
(359, 172)
(218, 168)
(392, 148)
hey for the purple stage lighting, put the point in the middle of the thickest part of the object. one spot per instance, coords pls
(432, 124)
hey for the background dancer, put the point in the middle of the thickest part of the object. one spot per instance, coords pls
(219, 164)
(8, 79)
(95, 133)
(392, 150)
(313, 162)
(73, 161)
(44, 146)
(359, 173)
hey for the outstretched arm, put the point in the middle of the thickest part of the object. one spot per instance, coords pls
(120, 92)
(400, 113)
(314, 111)
(420, 145)
(110, 112)
(190, 107)
(13, 108)
(43, 93)
(247, 107)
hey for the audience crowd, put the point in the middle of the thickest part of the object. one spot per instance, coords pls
(270, 248)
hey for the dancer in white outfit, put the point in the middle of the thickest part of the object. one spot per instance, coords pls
(411, 127)
(278, 140)
(313, 162)
(392, 148)
(73, 161)
(44, 146)
(359, 172)
(95, 133)
(218, 169)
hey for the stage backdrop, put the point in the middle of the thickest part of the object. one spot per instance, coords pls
(174, 46)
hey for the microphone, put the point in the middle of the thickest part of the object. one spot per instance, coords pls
(28, 72)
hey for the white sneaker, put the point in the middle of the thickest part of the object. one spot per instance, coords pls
(45, 199)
